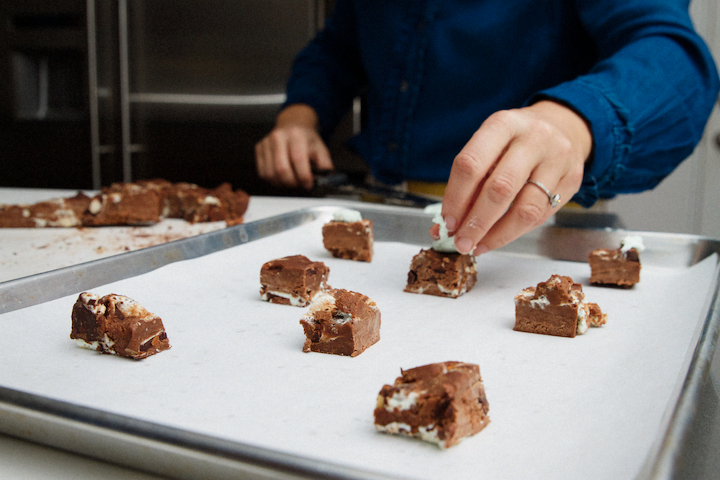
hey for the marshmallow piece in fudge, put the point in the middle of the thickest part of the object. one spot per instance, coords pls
(341, 322)
(293, 280)
(444, 274)
(556, 307)
(349, 236)
(444, 242)
(441, 403)
(118, 325)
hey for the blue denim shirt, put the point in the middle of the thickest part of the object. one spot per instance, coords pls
(431, 71)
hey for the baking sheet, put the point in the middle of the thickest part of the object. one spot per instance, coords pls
(588, 407)
(54, 248)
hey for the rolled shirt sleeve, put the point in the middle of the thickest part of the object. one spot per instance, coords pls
(646, 100)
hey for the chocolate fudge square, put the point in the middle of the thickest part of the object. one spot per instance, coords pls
(556, 307)
(115, 324)
(341, 322)
(614, 267)
(441, 403)
(349, 240)
(444, 274)
(293, 280)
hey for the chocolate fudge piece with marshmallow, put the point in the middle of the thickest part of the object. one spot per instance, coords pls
(556, 307)
(341, 322)
(441, 403)
(195, 204)
(445, 274)
(118, 325)
(293, 280)
(349, 236)
(619, 267)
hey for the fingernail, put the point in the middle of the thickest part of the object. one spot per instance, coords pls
(480, 250)
(450, 223)
(464, 245)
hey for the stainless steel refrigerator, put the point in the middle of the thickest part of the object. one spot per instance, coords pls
(100, 91)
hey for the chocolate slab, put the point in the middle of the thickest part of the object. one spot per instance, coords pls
(341, 322)
(293, 280)
(124, 204)
(196, 204)
(441, 403)
(60, 212)
(139, 203)
(442, 274)
(115, 324)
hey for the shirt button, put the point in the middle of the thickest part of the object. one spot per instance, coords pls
(392, 146)
(404, 85)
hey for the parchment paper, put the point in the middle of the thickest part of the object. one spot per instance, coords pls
(586, 407)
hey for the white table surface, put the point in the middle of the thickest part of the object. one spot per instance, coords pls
(30, 251)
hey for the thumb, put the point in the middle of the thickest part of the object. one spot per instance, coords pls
(320, 157)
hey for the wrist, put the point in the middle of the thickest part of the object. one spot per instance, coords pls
(571, 123)
(298, 114)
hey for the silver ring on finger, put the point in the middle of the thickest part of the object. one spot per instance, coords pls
(553, 199)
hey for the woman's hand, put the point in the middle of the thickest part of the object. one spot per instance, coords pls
(285, 157)
(488, 201)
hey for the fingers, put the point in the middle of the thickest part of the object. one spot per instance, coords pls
(295, 168)
(471, 167)
(273, 161)
(491, 171)
(320, 156)
(286, 156)
(507, 207)
(530, 209)
(488, 202)
(435, 231)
